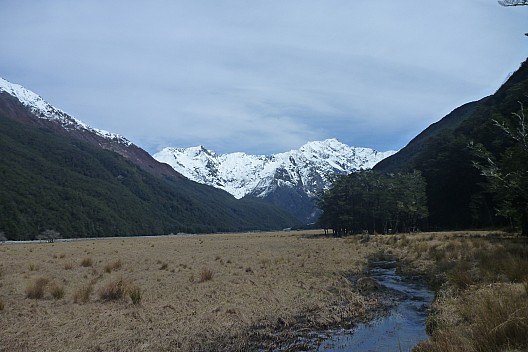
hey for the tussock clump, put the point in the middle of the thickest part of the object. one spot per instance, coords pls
(87, 262)
(264, 263)
(118, 289)
(113, 290)
(36, 288)
(32, 267)
(2, 304)
(509, 263)
(56, 290)
(460, 276)
(495, 319)
(116, 265)
(68, 265)
(206, 275)
(82, 294)
(134, 292)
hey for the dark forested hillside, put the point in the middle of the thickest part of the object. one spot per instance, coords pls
(50, 180)
(455, 192)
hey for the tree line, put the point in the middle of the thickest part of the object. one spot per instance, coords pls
(507, 172)
(375, 202)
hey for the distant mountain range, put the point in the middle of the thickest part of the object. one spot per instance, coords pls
(59, 173)
(289, 180)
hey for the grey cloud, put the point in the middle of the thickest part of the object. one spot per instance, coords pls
(260, 76)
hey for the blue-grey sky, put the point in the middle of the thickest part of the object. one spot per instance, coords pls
(261, 76)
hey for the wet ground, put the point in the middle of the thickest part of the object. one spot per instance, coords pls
(398, 330)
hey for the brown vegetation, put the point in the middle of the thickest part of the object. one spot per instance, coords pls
(35, 289)
(115, 265)
(253, 290)
(56, 290)
(82, 293)
(206, 275)
(203, 299)
(113, 290)
(86, 262)
(482, 299)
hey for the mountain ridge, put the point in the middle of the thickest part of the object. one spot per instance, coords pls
(59, 174)
(44, 110)
(456, 191)
(49, 116)
(289, 179)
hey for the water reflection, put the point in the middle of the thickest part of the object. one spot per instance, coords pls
(401, 329)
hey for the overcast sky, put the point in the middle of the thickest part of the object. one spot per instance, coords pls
(261, 76)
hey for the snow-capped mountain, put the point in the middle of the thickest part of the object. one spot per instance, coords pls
(300, 173)
(59, 173)
(43, 110)
(50, 117)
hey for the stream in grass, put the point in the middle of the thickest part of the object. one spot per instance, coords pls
(399, 330)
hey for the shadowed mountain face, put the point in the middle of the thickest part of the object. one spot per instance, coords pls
(456, 196)
(58, 173)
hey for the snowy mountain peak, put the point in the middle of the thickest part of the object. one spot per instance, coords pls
(44, 110)
(260, 175)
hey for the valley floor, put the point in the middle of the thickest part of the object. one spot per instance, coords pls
(205, 292)
(229, 292)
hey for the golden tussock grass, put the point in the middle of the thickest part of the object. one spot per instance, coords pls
(36, 288)
(82, 293)
(233, 291)
(115, 265)
(206, 275)
(482, 303)
(87, 262)
(56, 290)
(216, 292)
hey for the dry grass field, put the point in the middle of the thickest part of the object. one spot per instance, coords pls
(255, 291)
(208, 292)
